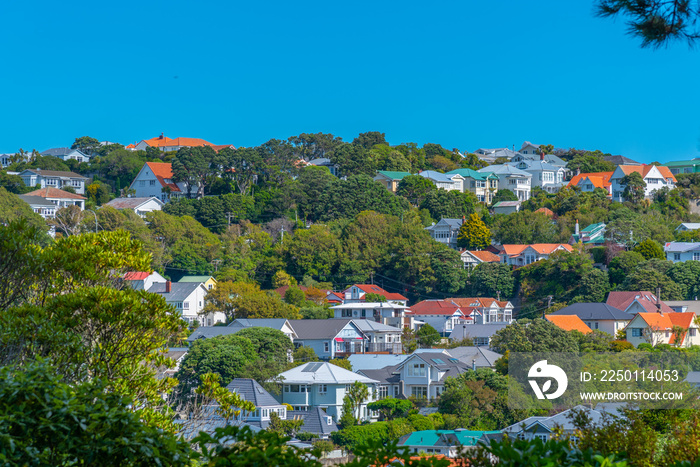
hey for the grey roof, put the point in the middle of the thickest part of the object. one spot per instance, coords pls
(367, 325)
(476, 330)
(274, 323)
(504, 169)
(250, 390)
(691, 306)
(36, 201)
(384, 375)
(131, 203)
(536, 165)
(179, 291)
(693, 377)
(318, 328)
(367, 361)
(620, 160)
(453, 223)
(594, 311)
(54, 173)
(320, 161)
(315, 421)
(57, 152)
(563, 420)
(206, 332)
(438, 176)
(681, 247)
(452, 366)
(483, 356)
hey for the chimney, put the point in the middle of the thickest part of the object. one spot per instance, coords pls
(576, 228)
(658, 300)
(161, 136)
(474, 364)
(542, 156)
(168, 286)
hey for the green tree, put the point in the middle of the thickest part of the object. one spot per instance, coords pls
(341, 362)
(12, 208)
(449, 204)
(415, 188)
(524, 228)
(504, 194)
(86, 144)
(240, 167)
(295, 296)
(538, 335)
(370, 139)
(358, 394)
(471, 401)
(347, 418)
(195, 166)
(492, 280)
(634, 187)
(391, 408)
(623, 264)
(474, 235)
(427, 336)
(313, 251)
(650, 249)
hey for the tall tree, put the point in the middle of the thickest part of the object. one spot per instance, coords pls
(86, 144)
(194, 166)
(634, 187)
(240, 167)
(474, 235)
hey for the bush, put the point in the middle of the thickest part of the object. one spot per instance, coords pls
(356, 435)
(421, 422)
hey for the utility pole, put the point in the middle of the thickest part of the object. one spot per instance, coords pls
(228, 214)
(282, 235)
(549, 304)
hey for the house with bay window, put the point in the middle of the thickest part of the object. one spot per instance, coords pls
(483, 185)
(443, 315)
(423, 374)
(330, 338)
(54, 179)
(522, 255)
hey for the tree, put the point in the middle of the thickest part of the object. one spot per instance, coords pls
(313, 251)
(504, 194)
(415, 188)
(68, 220)
(341, 362)
(295, 296)
(240, 167)
(284, 427)
(656, 23)
(374, 297)
(98, 193)
(271, 345)
(524, 228)
(86, 144)
(246, 300)
(634, 187)
(623, 264)
(13, 208)
(194, 166)
(538, 335)
(369, 139)
(391, 408)
(427, 336)
(474, 235)
(358, 393)
(492, 280)
(650, 249)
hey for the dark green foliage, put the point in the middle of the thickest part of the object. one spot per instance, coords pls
(537, 335)
(44, 421)
(622, 265)
(650, 249)
(587, 162)
(14, 184)
(524, 228)
(270, 345)
(449, 204)
(214, 212)
(194, 166)
(391, 408)
(427, 336)
(504, 194)
(12, 208)
(488, 279)
(415, 188)
(634, 187)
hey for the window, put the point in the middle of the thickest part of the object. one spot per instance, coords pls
(396, 391)
(383, 392)
(186, 305)
(542, 436)
(417, 369)
(76, 183)
(636, 332)
(481, 341)
(676, 257)
(142, 182)
(211, 286)
(419, 392)
(596, 325)
(696, 256)
(179, 304)
(322, 388)
(668, 333)
(691, 332)
(325, 346)
(152, 182)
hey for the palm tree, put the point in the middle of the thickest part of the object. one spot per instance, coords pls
(358, 394)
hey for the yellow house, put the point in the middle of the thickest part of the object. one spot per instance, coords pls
(208, 281)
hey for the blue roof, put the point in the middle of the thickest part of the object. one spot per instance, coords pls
(433, 175)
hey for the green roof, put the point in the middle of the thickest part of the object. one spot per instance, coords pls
(473, 174)
(683, 163)
(194, 278)
(394, 175)
(431, 437)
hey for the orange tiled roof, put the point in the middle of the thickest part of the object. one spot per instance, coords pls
(546, 211)
(434, 307)
(546, 248)
(51, 192)
(157, 141)
(599, 179)
(474, 302)
(666, 321)
(569, 323)
(187, 142)
(484, 256)
(163, 171)
(644, 169)
(131, 146)
(219, 147)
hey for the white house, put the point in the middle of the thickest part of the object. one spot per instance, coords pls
(544, 175)
(41, 206)
(155, 180)
(655, 177)
(141, 280)
(188, 299)
(483, 185)
(598, 316)
(356, 294)
(375, 311)
(685, 226)
(442, 315)
(679, 252)
(660, 328)
(511, 178)
(423, 374)
(54, 179)
(446, 231)
(488, 310)
(472, 258)
(323, 385)
(59, 198)
(522, 255)
(67, 153)
(140, 206)
(448, 182)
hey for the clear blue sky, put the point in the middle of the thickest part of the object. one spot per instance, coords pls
(464, 74)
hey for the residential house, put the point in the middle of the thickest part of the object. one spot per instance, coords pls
(680, 252)
(448, 443)
(446, 231)
(594, 234)
(569, 323)
(660, 328)
(380, 337)
(529, 148)
(483, 185)
(41, 206)
(685, 226)
(177, 355)
(655, 177)
(491, 154)
(165, 144)
(375, 361)
(140, 206)
(423, 374)
(188, 299)
(476, 356)
(684, 167)
(356, 294)
(589, 181)
(389, 179)
(207, 332)
(325, 162)
(6, 159)
(250, 390)
(323, 385)
(511, 178)
(155, 180)
(330, 338)
(597, 316)
(545, 427)
(59, 198)
(67, 154)
(480, 334)
(548, 158)
(684, 306)
(387, 313)
(522, 255)
(141, 280)
(620, 160)
(636, 302)
(443, 315)
(447, 182)
(544, 175)
(488, 310)
(473, 258)
(506, 207)
(53, 179)
(208, 281)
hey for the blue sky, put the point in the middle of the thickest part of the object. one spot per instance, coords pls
(464, 74)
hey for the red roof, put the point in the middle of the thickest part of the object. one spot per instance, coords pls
(163, 171)
(543, 248)
(219, 147)
(375, 289)
(136, 275)
(473, 302)
(569, 323)
(598, 179)
(622, 300)
(435, 307)
(546, 211)
(55, 193)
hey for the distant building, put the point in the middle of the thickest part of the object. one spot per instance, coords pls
(139, 206)
(620, 160)
(511, 178)
(679, 252)
(446, 231)
(655, 177)
(596, 316)
(54, 179)
(448, 182)
(441, 442)
(588, 182)
(483, 185)
(155, 180)
(390, 180)
(506, 207)
(685, 226)
(40, 205)
(522, 255)
(325, 162)
(684, 167)
(637, 302)
(472, 258)
(66, 154)
(594, 234)
(59, 198)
